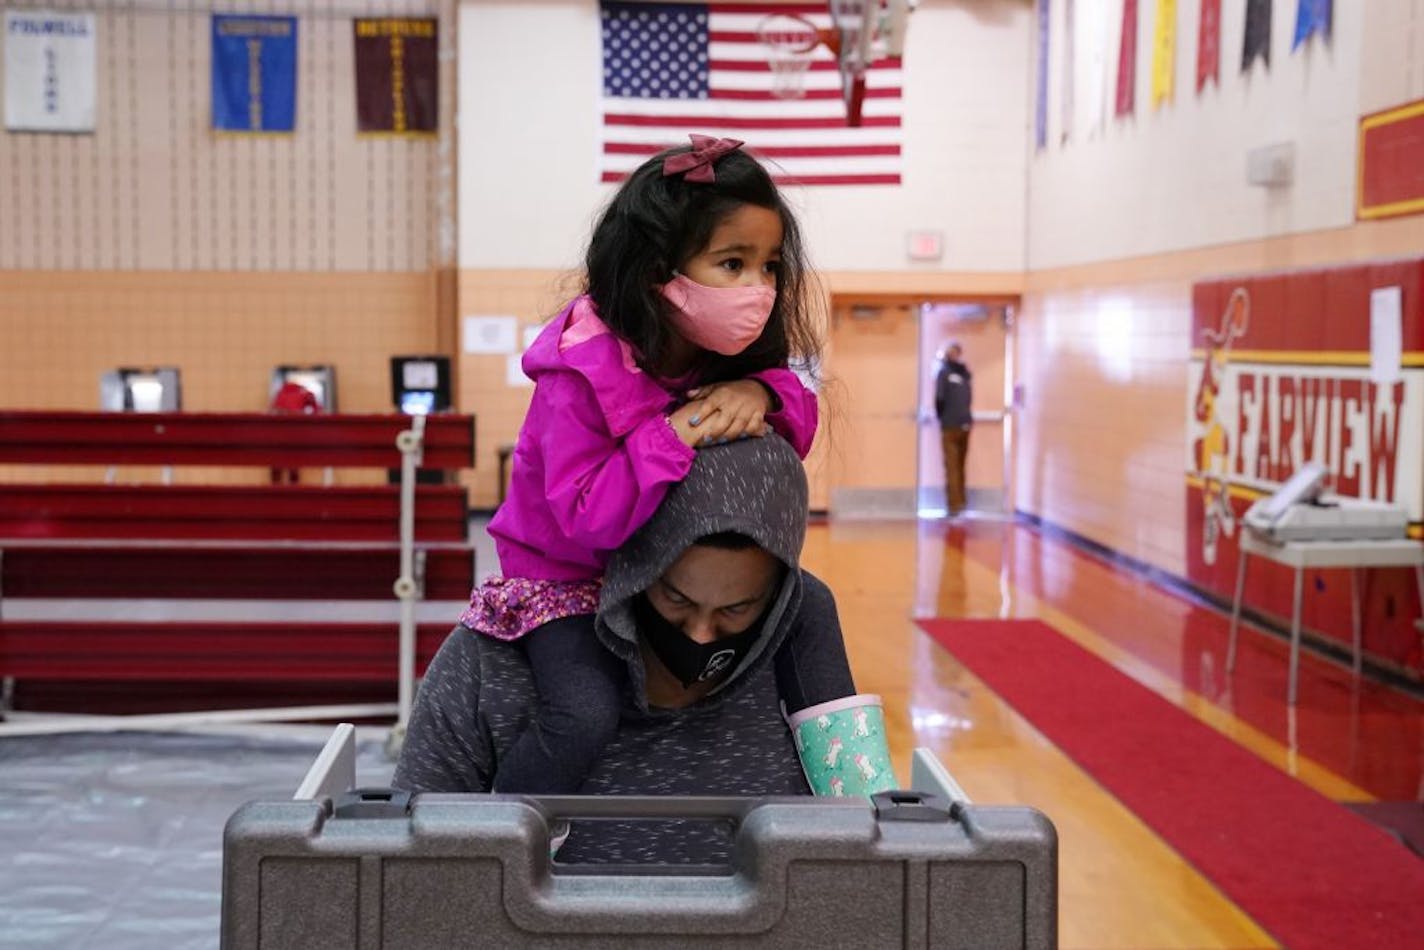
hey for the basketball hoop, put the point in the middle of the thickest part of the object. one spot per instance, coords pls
(790, 42)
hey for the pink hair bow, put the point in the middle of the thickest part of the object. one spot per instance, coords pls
(698, 162)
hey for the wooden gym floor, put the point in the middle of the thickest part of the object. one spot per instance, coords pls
(1120, 884)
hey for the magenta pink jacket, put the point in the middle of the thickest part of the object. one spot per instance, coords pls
(596, 454)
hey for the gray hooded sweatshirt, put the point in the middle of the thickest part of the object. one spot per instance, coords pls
(478, 693)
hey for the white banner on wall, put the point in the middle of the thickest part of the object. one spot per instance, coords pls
(49, 71)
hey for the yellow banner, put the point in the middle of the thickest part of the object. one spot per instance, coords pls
(1164, 52)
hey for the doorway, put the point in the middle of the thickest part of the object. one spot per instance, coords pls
(983, 332)
(884, 457)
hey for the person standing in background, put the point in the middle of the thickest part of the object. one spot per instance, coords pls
(954, 396)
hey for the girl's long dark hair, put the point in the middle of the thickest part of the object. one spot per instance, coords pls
(655, 223)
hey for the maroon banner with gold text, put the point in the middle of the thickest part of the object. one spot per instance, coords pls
(397, 75)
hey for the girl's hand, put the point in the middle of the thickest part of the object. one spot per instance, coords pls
(727, 411)
(681, 422)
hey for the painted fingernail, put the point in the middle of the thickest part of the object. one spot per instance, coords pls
(694, 420)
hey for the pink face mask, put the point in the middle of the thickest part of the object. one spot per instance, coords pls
(725, 320)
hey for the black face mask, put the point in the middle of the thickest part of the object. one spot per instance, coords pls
(692, 662)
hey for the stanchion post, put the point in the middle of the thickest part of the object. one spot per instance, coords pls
(411, 443)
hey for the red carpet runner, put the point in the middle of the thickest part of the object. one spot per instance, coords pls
(1307, 870)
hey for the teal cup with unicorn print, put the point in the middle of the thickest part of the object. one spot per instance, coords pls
(843, 747)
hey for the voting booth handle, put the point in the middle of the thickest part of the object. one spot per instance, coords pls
(372, 803)
(902, 805)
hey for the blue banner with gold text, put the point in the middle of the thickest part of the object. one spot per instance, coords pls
(254, 73)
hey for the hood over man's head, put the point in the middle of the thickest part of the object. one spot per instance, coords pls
(751, 487)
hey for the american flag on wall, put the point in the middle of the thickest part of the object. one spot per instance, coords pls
(674, 68)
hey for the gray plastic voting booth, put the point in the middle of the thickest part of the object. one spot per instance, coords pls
(365, 869)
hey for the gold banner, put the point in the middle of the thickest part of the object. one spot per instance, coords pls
(1164, 52)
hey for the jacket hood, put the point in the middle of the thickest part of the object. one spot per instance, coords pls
(578, 341)
(755, 487)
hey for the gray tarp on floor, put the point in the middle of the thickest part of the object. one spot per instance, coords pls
(114, 840)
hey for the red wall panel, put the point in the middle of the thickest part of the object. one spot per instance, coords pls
(1290, 382)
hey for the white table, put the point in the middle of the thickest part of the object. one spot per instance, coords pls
(1304, 554)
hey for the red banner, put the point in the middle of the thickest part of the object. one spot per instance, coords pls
(397, 75)
(1282, 374)
(1127, 60)
(1209, 44)
(1391, 162)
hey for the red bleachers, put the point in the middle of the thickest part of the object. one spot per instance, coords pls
(228, 438)
(355, 653)
(228, 512)
(223, 542)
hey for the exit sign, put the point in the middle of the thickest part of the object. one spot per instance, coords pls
(924, 245)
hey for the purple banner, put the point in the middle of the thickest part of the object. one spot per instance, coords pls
(1040, 113)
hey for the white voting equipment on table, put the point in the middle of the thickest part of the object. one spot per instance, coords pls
(1301, 511)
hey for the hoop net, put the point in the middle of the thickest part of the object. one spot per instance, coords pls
(790, 42)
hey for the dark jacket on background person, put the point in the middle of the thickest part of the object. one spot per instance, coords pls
(954, 396)
(478, 693)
